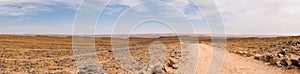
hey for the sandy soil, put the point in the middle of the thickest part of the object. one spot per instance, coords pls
(235, 64)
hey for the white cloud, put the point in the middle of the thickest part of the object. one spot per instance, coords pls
(29, 7)
(117, 6)
(181, 5)
(240, 16)
(125, 2)
(261, 16)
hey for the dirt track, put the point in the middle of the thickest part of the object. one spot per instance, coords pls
(235, 64)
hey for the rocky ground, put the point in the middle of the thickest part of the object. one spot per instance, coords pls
(45, 54)
(281, 52)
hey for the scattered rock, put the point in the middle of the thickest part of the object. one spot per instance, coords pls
(268, 57)
(289, 62)
(280, 55)
(258, 57)
(243, 53)
(294, 62)
(175, 66)
(173, 61)
(276, 61)
(291, 67)
(110, 50)
(167, 69)
(283, 62)
(288, 55)
(159, 71)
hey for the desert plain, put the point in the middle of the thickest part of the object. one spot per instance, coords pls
(49, 54)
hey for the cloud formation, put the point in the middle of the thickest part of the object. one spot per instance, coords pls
(29, 7)
(240, 16)
(261, 16)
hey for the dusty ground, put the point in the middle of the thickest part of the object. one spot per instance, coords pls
(235, 64)
(47, 54)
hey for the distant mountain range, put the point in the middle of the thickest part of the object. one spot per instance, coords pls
(156, 35)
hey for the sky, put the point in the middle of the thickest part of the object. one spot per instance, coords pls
(280, 17)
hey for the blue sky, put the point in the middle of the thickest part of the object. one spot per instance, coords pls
(241, 17)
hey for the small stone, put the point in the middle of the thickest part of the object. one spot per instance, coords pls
(278, 64)
(173, 55)
(294, 62)
(110, 50)
(258, 57)
(167, 69)
(173, 61)
(289, 55)
(289, 62)
(284, 62)
(276, 61)
(291, 67)
(160, 71)
(282, 52)
(240, 52)
(280, 55)
(172, 71)
(268, 57)
(175, 66)
(249, 55)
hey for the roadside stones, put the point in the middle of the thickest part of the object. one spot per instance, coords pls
(279, 59)
(284, 62)
(289, 62)
(159, 71)
(267, 57)
(243, 53)
(171, 66)
(281, 54)
(258, 57)
(173, 61)
(275, 61)
(294, 62)
(175, 66)
(291, 67)
(167, 68)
